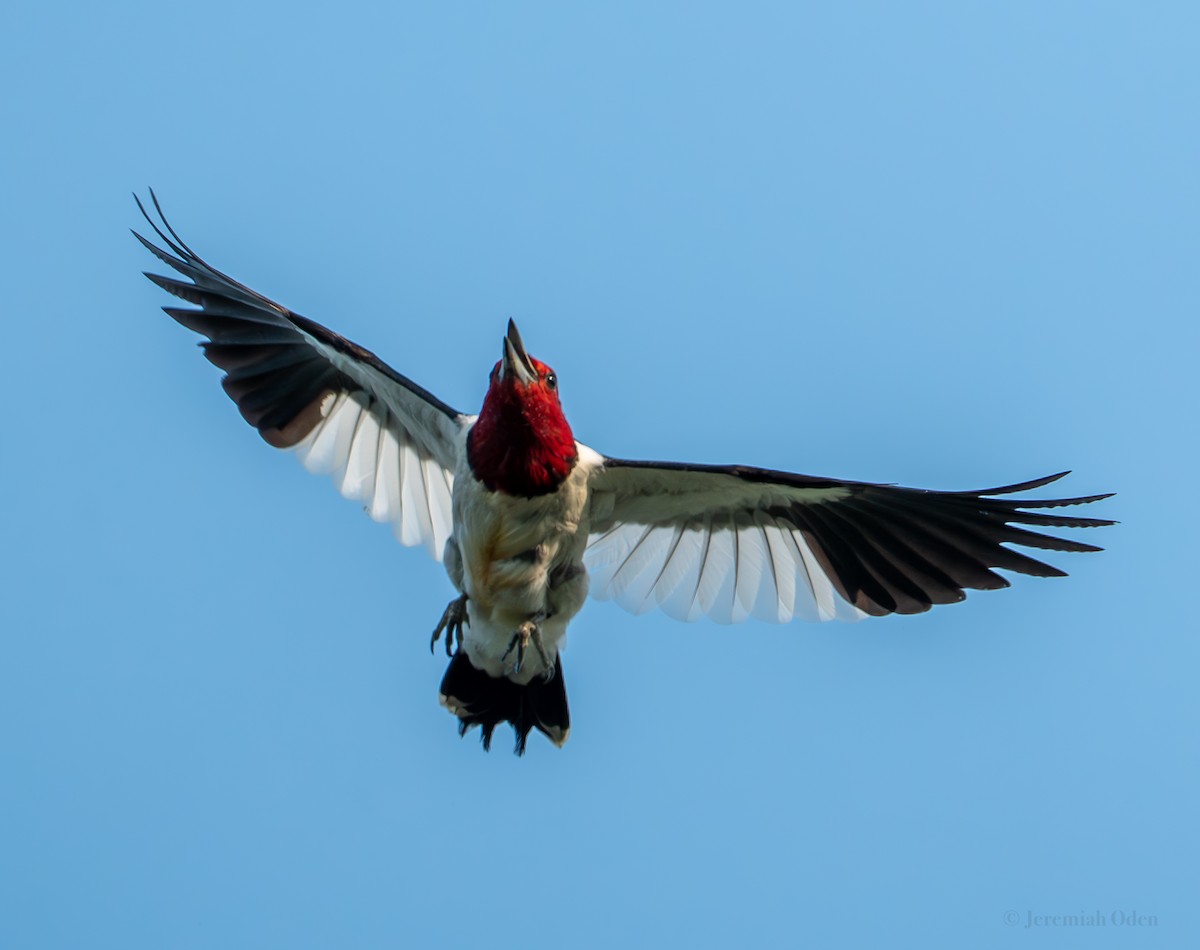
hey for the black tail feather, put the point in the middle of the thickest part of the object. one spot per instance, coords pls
(486, 701)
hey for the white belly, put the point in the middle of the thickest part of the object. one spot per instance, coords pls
(522, 559)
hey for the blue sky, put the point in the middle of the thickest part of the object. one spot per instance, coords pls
(946, 245)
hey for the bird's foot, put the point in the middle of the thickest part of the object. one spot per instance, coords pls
(452, 622)
(527, 633)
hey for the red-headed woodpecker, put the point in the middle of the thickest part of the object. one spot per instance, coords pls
(529, 521)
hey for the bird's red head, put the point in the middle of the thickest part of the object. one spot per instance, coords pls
(521, 443)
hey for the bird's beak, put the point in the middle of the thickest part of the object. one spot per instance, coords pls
(516, 364)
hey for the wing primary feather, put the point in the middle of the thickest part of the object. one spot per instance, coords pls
(173, 262)
(167, 224)
(986, 535)
(248, 361)
(217, 304)
(861, 544)
(916, 551)
(1008, 507)
(157, 230)
(1055, 521)
(923, 581)
(964, 543)
(1012, 489)
(869, 582)
(1046, 542)
(191, 256)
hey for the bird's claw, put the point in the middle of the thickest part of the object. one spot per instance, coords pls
(452, 622)
(527, 633)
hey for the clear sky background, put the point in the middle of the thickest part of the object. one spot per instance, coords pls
(948, 245)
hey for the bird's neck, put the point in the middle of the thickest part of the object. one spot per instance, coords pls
(520, 444)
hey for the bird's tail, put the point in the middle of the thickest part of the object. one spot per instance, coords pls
(486, 701)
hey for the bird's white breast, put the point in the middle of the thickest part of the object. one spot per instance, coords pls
(521, 558)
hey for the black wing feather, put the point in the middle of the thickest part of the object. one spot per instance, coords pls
(885, 548)
(273, 373)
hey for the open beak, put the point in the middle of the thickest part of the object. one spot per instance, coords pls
(516, 364)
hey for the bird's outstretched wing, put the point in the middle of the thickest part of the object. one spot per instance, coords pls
(386, 441)
(734, 541)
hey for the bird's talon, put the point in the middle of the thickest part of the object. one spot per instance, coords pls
(526, 633)
(452, 622)
(518, 641)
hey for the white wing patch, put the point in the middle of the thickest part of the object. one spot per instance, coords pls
(721, 565)
(372, 458)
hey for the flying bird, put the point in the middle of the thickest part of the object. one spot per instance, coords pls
(528, 521)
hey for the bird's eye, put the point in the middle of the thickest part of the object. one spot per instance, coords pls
(552, 381)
